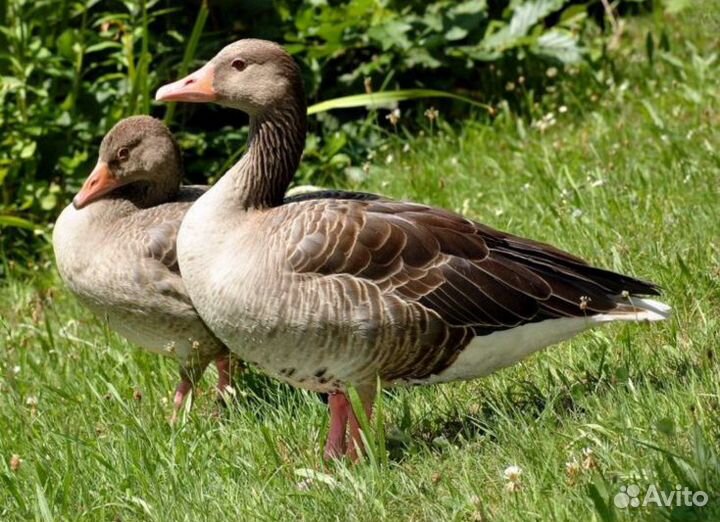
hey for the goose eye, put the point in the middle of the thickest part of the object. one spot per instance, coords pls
(239, 64)
(123, 153)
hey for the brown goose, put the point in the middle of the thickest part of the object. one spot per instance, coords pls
(336, 289)
(115, 249)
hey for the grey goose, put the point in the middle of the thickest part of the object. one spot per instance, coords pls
(115, 250)
(335, 290)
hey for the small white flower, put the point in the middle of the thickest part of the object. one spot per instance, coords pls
(562, 109)
(393, 117)
(551, 72)
(589, 460)
(15, 462)
(512, 473)
(305, 484)
(16, 370)
(573, 470)
(584, 300)
(31, 401)
(432, 114)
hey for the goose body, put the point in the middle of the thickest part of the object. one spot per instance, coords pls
(332, 289)
(333, 292)
(115, 248)
(119, 261)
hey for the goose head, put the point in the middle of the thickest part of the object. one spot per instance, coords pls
(139, 160)
(253, 76)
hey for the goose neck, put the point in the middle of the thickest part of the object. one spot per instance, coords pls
(275, 144)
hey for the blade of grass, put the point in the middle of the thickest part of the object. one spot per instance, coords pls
(388, 97)
(190, 50)
(145, 62)
(17, 222)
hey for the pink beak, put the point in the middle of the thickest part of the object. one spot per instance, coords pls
(100, 182)
(196, 87)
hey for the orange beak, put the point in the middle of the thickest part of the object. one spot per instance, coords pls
(100, 182)
(196, 87)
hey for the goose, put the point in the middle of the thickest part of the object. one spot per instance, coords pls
(334, 290)
(115, 250)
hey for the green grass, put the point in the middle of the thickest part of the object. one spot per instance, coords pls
(630, 182)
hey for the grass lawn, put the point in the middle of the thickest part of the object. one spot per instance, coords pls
(625, 173)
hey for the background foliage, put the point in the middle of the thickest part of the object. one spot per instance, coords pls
(71, 69)
(614, 158)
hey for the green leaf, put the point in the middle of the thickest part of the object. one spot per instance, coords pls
(16, 222)
(28, 150)
(559, 44)
(391, 34)
(470, 7)
(456, 33)
(48, 202)
(386, 98)
(43, 509)
(65, 44)
(527, 14)
(603, 508)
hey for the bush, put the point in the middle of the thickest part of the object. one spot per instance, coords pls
(73, 68)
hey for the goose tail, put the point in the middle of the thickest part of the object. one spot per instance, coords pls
(631, 308)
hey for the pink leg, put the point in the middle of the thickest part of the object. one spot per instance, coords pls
(356, 443)
(224, 375)
(336, 444)
(226, 366)
(181, 392)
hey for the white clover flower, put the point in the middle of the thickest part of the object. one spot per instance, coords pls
(512, 473)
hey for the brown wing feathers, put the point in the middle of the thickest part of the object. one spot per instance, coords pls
(469, 274)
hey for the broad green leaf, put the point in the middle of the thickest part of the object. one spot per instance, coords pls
(470, 7)
(527, 14)
(391, 34)
(559, 44)
(456, 33)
